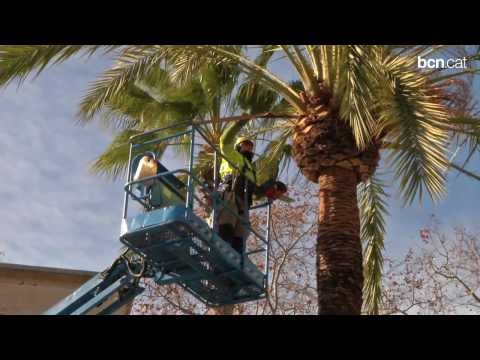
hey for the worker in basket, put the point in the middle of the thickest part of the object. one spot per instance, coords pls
(238, 187)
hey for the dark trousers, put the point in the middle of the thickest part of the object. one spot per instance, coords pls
(230, 228)
(226, 232)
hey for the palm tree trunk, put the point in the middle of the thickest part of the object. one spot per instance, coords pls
(339, 250)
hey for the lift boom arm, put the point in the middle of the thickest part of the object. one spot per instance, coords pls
(116, 284)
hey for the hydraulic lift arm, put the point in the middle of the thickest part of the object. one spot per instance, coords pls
(116, 286)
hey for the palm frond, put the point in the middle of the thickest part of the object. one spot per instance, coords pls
(218, 82)
(133, 64)
(357, 81)
(139, 107)
(313, 53)
(256, 98)
(113, 118)
(113, 162)
(188, 59)
(415, 121)
(373, 211)
(466, 130)
(303, 67)
(327, 66)
(19, 61)
(268, 165)
(126, 110)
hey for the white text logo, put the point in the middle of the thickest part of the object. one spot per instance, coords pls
(459, 63)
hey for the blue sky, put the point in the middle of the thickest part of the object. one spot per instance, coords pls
(55, 213)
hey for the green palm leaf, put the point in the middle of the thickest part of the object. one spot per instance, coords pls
(415, 122)
(133, 64)
(373, 211)
(18, 61)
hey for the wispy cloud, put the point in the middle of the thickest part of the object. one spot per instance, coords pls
(53, 212)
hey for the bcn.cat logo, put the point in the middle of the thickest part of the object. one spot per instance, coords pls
(458, 63)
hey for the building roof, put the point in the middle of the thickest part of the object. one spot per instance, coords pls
(30, 290)
(10, 266)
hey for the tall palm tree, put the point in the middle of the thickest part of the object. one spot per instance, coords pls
(355, 104)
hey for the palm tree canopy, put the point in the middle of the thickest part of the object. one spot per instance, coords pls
(154, 101)
(380, 92)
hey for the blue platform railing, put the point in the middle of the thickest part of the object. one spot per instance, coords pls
(194, 182)
(122, 281)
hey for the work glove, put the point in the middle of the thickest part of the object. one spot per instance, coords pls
(276, 191)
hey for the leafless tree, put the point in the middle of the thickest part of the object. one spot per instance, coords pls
(441, 277)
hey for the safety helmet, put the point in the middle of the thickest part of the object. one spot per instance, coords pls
(241, 140)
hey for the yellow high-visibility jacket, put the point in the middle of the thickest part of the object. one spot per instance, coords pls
(227, 148)
(260, 177)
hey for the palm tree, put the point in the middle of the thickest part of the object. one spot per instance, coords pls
(355, 104)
